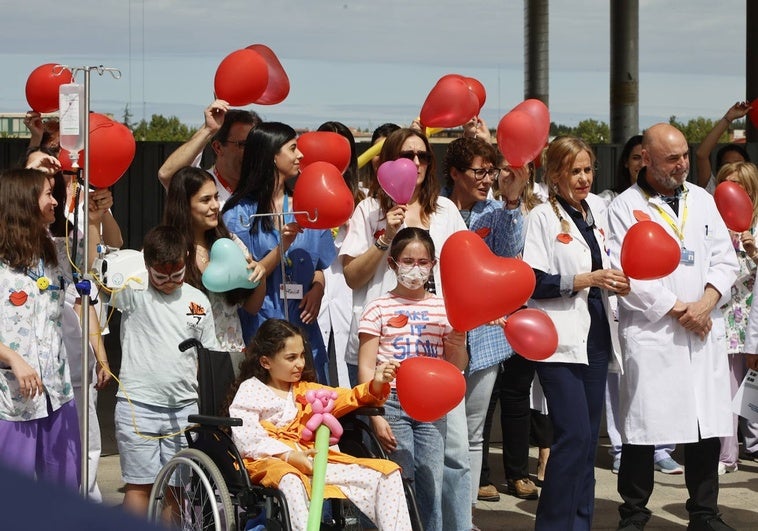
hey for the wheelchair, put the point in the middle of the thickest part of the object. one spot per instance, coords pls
(206, 486)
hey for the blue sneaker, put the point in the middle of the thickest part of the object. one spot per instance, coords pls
(669, 466)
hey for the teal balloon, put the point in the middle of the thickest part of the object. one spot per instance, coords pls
(227, 269)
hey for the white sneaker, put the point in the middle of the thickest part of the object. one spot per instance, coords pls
(724, 468)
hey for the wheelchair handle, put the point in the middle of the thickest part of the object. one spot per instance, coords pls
(189, 343)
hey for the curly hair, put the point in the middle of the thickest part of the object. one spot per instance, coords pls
(268, 341)
(460, 154)
(24, 236)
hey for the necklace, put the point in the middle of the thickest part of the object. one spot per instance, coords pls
(202, 254)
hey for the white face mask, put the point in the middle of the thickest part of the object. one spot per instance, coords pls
(412, 276)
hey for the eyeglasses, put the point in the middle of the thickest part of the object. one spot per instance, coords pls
(422, 263)
(160, 279)
(240, 143)
(424, 157)
(481, 173)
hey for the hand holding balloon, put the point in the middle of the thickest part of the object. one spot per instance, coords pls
(385, 373)
(215, 114)
(227, 269)
(477, 128)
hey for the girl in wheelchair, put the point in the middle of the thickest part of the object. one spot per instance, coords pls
(269, 396)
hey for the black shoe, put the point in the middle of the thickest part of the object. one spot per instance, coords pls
(712, 522)
(629, 524)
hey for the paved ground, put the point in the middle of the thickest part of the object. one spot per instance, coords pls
(738, 497)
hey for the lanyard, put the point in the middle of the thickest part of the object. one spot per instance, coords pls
(678, 230)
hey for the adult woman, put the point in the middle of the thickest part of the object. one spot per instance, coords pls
(39, 432)
(271, 157)
(192, 206)
(728, 153)
(371, 228)
(565, 246)
(737, 309)
(629, 165)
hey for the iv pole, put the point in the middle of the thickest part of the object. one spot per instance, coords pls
(85, 294)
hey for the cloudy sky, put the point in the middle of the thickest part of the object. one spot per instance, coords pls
(365, 62)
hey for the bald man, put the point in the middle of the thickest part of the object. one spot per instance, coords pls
(675, 385)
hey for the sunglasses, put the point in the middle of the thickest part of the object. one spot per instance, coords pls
(424, 157)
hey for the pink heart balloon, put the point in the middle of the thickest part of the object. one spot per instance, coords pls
(398, 179)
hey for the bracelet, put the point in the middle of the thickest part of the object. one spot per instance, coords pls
(379, 244)
(727, 119)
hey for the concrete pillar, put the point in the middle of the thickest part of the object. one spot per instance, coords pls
(536, 51)
(751, 62)
(624, 89)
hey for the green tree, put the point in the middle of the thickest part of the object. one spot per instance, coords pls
(162, 129)
(593, 132)
(696, 129)
(127, 117)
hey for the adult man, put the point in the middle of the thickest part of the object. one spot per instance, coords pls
(227, 131)
(675, 385)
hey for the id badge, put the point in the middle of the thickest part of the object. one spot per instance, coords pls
(294, 291)
(688, 257)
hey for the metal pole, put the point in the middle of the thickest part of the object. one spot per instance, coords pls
(85, 299)
(751, 63)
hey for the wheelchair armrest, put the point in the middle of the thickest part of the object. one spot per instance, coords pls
(369, 411)
(208, 420)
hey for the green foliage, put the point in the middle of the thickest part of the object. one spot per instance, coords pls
(696, 129)
(591, 131)
(162, 129)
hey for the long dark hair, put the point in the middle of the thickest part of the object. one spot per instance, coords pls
(24, 237)
(268, 341)
(259, 173)
(185, 184)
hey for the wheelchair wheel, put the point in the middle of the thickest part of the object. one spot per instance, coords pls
(190, 494)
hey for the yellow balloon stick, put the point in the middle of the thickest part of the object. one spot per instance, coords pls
(374, 150)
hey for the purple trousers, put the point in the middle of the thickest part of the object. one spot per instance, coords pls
(48, 448)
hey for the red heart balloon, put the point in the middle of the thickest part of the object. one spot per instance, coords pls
(450, 103)
(111, 151)
(478, 286)
(428, 388)
(278, 86)
(321, 191)
(519, 138)
(241, 77)
(753, 112)
(734, 205)
(541, 116)
(648, 252)
(324, 146)
(478, 89)
(531, 333)
(42, 86)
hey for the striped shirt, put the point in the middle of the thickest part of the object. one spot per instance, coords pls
(406, 327)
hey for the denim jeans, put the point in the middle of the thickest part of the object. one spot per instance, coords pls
(478, 392)
(456, 489)
(420, 448)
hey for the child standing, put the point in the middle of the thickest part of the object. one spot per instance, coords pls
(158, 382)
(269, 397)
(407, 322)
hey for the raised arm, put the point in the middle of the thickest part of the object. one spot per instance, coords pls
(703, 153)
(189, 151)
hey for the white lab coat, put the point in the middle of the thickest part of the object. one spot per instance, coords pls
(543, 251)
(672, 381)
